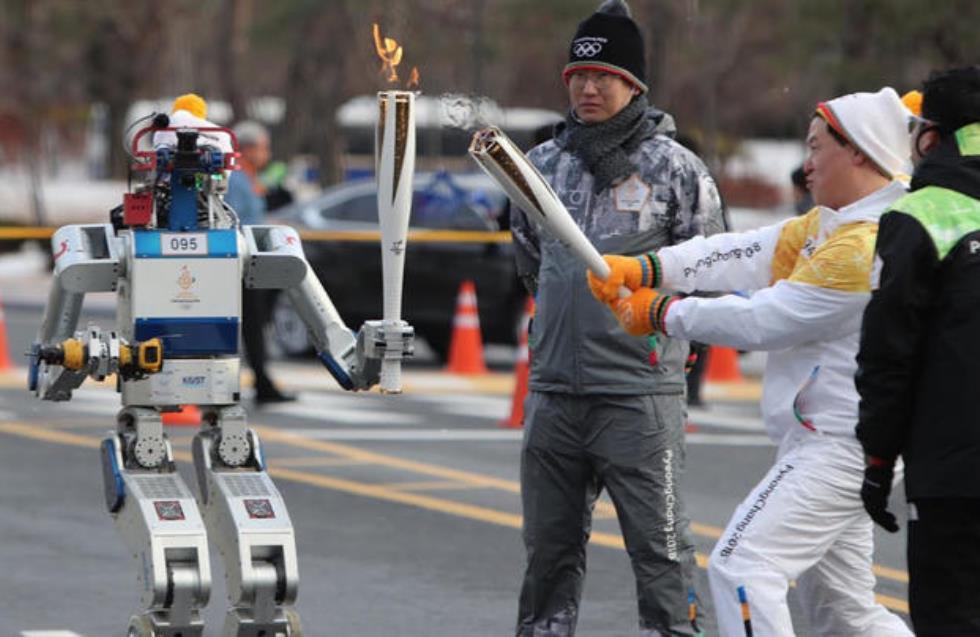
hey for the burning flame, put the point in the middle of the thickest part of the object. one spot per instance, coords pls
(390, 53)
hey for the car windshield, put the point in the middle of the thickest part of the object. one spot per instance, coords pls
(360, 208)
(451, 203)
(440, 202)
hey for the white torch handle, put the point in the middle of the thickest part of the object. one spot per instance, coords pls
(396, 170)
(391, 376)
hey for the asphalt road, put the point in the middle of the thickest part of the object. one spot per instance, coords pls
(406, 508)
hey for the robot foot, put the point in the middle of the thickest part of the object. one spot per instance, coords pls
(153, 625)
(238, 623)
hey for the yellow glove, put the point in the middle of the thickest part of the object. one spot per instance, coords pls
(631, 272)
(643, 312)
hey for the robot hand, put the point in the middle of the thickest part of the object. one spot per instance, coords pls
(359, 367)
(377, 341)
(57, 369)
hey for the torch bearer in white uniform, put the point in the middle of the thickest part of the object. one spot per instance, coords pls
(394, 153)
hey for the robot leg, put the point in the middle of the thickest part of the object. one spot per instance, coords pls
(248, 522)
(160, 523)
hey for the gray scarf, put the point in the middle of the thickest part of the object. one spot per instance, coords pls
(605, 148)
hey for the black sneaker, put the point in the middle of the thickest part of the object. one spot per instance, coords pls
(272, 396)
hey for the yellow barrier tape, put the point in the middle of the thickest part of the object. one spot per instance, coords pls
(416, 236)
(26, 233)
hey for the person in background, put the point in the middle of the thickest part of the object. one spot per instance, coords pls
(919, 361)
(802, 199)
(273, 179)
(246, 196)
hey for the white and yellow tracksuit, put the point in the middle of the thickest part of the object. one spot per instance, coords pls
(810, 279)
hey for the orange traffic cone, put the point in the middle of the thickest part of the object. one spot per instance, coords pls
(5, 363)
(722, 365)
(521, 369)
(466, 346)
(188, 415)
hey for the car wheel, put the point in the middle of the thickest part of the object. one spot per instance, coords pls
(438, 341)
(291, 335)
(273, 347)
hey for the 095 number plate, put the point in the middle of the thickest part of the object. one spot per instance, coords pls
(184, 243)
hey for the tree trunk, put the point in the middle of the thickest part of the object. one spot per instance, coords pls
(236, 24)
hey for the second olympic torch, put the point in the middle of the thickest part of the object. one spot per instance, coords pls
(394, 154)
(530, 191)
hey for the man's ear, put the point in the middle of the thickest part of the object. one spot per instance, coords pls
(928, 141)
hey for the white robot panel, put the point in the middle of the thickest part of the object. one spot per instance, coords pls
(186, 289)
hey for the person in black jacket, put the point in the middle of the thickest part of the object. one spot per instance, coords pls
(919, 360)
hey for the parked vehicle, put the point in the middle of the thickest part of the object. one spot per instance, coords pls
(351, 270)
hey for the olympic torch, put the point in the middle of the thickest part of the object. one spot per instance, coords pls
(531, 192)
(394, 152)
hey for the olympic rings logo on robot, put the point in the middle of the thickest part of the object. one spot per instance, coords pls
(587, 49)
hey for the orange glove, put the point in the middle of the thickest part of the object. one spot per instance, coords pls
(631, 272)
(643, 312)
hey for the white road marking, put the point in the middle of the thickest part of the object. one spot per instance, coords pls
(729, 440)
(471, 400)
(49, 633)
(474, 406)
(709, 418)
(493, 435)
(92, 394)
(411, 435)
(334, 415)
(335, 411)
(98, 409)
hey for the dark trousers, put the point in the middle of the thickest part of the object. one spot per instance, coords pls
(574, 447)
(944, 567)
(255, 315)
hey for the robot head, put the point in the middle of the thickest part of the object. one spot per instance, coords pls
(183, 176)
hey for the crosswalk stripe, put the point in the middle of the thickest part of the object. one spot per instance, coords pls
(728, 440)
(492, 435)
(408, 435)
(48, 633)
(707, 418)
(345, 416)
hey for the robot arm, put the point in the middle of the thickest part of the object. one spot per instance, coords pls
(275, 260)
(86, 259)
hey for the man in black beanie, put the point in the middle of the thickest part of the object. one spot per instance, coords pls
(920, 360)
(606, 409)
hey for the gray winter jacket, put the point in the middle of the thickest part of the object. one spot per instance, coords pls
(577, 346)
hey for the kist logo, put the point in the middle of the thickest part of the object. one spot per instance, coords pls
(587, 47)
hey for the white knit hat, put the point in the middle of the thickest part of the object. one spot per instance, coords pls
(876, 124)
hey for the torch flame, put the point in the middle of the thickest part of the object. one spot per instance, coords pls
(389, 51)
(413, 78)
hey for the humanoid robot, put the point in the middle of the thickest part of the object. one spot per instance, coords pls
(174, 254)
